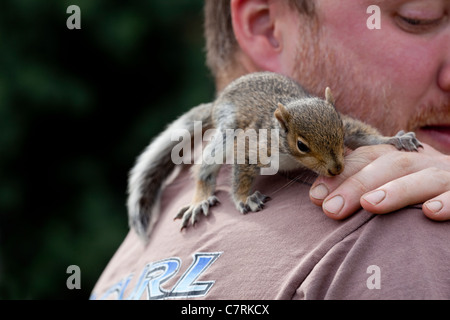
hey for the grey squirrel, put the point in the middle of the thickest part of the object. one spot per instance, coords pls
(312, 135)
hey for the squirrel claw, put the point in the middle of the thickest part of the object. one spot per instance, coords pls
(254, 203)
(192, 212)
(180, 213)
(243, 208)
(406, 141)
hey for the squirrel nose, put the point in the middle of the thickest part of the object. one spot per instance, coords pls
(337, 169)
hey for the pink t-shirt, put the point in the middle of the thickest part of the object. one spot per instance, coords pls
(289, 250)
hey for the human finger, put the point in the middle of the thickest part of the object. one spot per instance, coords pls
(411, 189)
(354, 162)
(345, 199)
(438, 208)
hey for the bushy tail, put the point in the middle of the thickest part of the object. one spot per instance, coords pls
(153, 167)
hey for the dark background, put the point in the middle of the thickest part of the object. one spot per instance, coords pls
(76, 109)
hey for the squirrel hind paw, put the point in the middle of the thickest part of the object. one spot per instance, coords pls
(192, 213)
(405, 141)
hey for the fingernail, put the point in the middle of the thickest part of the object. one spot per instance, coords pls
(319, 192)
(434, 206)
(375, 197)
(334, 205)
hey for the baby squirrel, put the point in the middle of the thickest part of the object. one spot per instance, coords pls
(312, 134)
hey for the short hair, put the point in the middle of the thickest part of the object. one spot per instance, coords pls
(218, 31)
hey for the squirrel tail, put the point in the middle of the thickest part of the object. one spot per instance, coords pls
(153, 167)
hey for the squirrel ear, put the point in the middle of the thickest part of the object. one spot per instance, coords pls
(282, 116)
(329, 96)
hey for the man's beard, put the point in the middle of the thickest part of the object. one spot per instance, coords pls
(357, 94)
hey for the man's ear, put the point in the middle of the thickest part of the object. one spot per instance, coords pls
(254, 28)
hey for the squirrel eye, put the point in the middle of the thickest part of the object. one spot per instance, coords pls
(302, 147)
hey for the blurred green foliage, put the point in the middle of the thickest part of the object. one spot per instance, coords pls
(76, 109)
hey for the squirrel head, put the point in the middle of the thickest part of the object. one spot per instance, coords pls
(314, 133)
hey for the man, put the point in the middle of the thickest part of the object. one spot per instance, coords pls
(396, 77)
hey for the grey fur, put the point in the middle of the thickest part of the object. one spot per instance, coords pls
(256, 101)
(153, 167)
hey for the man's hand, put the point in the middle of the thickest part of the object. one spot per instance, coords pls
(382, 179)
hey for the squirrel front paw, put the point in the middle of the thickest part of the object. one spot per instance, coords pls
(192, 212)
(254, 203)
(406, 141)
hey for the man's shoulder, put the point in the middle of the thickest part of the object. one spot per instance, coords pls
(262, 255)
(288, 250)
(402, 255)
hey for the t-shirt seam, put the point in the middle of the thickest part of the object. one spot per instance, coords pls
(346, 235)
